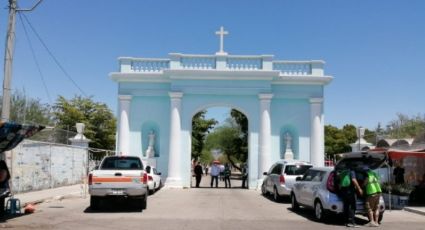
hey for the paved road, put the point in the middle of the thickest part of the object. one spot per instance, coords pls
(203, 208)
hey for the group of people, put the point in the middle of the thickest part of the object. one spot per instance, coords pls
(215, 172)
(363, 183)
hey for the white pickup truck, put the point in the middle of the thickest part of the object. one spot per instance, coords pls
(119, 176)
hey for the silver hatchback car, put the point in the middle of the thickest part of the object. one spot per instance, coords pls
(316, 188)
(280, 178)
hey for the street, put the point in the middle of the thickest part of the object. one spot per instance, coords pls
(202, 208)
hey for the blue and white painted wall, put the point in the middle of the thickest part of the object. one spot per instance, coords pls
(163, 95)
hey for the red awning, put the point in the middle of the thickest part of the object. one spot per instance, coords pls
(396, 155)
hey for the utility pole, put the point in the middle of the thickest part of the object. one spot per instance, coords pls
(8, 57)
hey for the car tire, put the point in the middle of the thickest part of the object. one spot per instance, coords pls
(380, 217)
(319, 212)
(144, 202)
(263, 190)
(294, 203)
(94, 202)
(276, 196)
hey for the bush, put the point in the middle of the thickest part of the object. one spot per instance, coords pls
(397, 189)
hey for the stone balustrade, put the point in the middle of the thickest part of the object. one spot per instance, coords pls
(244, 63)
(221, 62)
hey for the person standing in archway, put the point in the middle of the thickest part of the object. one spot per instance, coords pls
(244, 175)
(198, 174)
(215, 171)
(227, 174)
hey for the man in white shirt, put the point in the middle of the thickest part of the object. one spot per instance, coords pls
(215, 171)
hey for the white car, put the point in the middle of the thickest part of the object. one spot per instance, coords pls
(317, 190)
(281, 176)
(154, 179)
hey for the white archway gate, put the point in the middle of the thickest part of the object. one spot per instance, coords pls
(278, 97)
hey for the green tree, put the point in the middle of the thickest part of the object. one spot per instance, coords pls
(406, 127)
(242, 123)
(25, 110)
(335, 141)
(200, 128)
(226, 138)
(100, 123)
(231, 138)
(206, 157)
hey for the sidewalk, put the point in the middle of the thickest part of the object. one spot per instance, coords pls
(78, 190)
(417, 210)
(52, 194)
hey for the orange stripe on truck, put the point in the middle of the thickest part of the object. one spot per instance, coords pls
(115, 179)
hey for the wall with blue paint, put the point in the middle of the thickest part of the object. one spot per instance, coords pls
(150, 109)
(150, 113)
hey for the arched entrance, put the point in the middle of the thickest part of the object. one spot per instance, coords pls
(220, 141)
(159, 97)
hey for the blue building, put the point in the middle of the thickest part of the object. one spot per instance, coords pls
(159, 97)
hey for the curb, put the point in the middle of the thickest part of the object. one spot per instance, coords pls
(59, 197)
(414, 210)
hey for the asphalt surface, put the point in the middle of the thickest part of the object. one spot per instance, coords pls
(195, 208)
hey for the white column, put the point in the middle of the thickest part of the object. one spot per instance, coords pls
(174, 178)
(265, 135)
(317, 140)
(124, 131)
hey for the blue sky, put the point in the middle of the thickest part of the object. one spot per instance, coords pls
(374, 49)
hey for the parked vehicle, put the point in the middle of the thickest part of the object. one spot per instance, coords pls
(281, 176)
(317, 188)
(119, 177)
(154, 179)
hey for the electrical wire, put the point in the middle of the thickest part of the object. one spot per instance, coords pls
(35, 59)
(53, 56)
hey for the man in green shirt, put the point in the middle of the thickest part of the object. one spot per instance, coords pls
(373, 194)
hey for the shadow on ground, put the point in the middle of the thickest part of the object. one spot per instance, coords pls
(115, 205)
(6, 217)
(284, 199)
(331, 219)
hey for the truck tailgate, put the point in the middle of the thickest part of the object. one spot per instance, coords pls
(117, 182)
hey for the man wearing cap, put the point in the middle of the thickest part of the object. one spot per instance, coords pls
(373, 193)
(215, 171)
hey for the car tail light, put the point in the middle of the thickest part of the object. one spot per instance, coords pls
(144, 178)
(150, 178)
(90, 179)
(282, 179)
(330, 182)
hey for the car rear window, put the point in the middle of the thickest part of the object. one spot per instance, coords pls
(124, 163)
(296, 169)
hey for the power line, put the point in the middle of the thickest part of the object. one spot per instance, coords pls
(35, 59)
(53, 57)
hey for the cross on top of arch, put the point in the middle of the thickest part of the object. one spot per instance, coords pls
(221, 33)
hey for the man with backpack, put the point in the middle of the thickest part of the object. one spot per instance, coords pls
(348, 185)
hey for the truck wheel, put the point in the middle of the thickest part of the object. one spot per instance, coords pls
(144, 202)
(294, 203)
(276, 196)
(94, 202)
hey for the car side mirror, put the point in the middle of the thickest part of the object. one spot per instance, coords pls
(265, 173)
(159, 173)
(298, 178)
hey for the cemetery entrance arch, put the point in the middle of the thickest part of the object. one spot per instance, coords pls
(160, 96)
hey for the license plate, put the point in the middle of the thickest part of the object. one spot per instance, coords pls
(117, 192)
